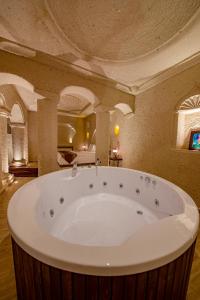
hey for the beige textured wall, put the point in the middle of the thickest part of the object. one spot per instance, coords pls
(78, 125)
(32, 136)
(147, 139)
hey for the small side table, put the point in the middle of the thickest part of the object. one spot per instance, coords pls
(115, 161)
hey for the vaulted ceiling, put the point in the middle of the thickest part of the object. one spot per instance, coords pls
(129, 42)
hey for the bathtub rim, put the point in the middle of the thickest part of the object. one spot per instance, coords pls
(52, 251)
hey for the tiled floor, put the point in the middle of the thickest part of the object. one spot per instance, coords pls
(7, 281)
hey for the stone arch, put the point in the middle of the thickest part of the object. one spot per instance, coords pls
(22, 86)
(124, 108)
(191, 103)
(8, 78)
(80, 91)
(194, 91)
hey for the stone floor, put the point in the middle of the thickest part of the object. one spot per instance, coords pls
(7, 279)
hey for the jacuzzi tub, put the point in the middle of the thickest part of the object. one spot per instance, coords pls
(103, 222)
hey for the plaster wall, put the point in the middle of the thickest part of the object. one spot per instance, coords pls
(147, 139)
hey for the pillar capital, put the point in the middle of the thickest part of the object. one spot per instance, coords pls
(18, 125)
(44, 101)
(43, 94)
(102, 108)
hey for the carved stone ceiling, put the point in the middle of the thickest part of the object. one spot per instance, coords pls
(123, 40)
(72, 104)
(121, 29)
(68, 103)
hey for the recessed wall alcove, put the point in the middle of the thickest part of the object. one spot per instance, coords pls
(188, 119)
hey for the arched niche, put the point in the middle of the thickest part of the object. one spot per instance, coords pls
(66, 133)
(17, 114)
(17, 123)
(188, 119)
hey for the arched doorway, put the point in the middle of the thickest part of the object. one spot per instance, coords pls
(17, 124)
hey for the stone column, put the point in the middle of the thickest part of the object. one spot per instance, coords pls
(102, 135)
(47, 135)
(3, 142)
(18, 142)
(4, 175)
(25, 152)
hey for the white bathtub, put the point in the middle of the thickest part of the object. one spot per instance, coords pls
(105, 221)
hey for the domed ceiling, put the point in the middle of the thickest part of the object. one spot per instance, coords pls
(120, 29)
(126, 41)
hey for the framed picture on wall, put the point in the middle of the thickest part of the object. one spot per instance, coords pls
(194, 140)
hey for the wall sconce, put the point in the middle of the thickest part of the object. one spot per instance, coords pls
(116, 130)
(87, 135)
(70, 140)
